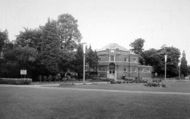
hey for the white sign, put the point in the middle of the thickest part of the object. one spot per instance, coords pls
(23, 72)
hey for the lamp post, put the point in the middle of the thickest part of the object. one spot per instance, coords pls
(84, 51)
(165, 57)
(179, 65)
(129, 65)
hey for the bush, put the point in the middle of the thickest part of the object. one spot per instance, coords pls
(17, 81)
(163, 85)
(152, 84)
(112, 81)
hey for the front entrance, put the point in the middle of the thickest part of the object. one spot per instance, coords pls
(111, 72)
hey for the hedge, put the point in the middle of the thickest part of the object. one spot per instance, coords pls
(17, 81)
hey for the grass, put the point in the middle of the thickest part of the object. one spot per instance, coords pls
(58, 103)
(171, 86)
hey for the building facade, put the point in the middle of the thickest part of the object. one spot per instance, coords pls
(116, 62)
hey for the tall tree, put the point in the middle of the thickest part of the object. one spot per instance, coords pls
(184, 68)
(3, 38)
(92, 58)
(173, 55)
(78, 62)
(68, 31)
(137, 47)
(188, 69)
(50, 47)
(29, 37)
(152, 58)
(155, 58)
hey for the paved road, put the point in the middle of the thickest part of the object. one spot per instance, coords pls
(54, 86)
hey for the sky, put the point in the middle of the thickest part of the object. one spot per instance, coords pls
(158, 22)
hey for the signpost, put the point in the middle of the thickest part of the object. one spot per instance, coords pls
(23, 72)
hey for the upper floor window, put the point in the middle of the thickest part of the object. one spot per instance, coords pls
(134, 60)
(112, 58)
(103, 58)
(112, 51)
(146, 70)
(125, 59)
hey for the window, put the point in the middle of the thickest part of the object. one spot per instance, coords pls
(125, 59)
(124, 69)
(112, 51)
(146, 70)
(134, 59)
(112, 58)
(102, 68)
(134, 69)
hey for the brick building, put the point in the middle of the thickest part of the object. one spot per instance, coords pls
(116, 62)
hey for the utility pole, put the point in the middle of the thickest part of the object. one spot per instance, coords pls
(129, 65)
(84, 51)
(179, 65)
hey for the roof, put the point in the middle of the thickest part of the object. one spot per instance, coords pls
(113, 46)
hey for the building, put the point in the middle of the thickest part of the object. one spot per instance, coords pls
(116, 62)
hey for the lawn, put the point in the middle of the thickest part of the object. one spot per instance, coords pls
(60, 103)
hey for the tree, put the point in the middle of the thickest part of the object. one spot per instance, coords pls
(184, 68)
(152, 58)
(29, 37)
(137, 47)
(92, 58)
(78, 62)
(155, 58)
(173, 55)
(68, 31)
(3, 38)
(16, 58)
(59, 39)
(25, 55)
(50, 47)
(188, 69)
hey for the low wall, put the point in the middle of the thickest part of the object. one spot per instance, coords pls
(17, 81)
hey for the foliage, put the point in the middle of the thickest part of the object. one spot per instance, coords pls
(29, 37)
(49, 56)
(188, 68)
(155, 58)
(184, 68)
(137, 48)
(3, 38)
(92, 59)
(46, 50)
(78, 62)
(68, 31)
(25, 55)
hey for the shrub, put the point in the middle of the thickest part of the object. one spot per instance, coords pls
(18, 81)
(112, 81)
(163, 85)
(152, 84)
(50, 78)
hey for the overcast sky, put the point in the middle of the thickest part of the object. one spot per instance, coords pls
(101, 22)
